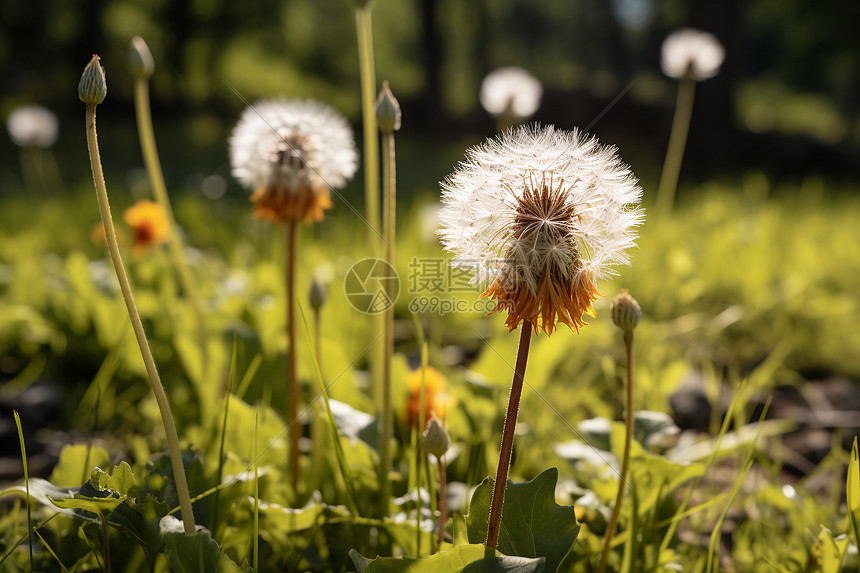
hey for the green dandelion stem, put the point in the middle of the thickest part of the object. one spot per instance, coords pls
(677, 142)
(156, 178)
(625, 462)
(390, 200)
(137, 325)
(364, 32)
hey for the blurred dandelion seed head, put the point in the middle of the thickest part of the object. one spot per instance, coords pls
(148, 223)
(550, 213)
(511, 90)
(290, 153)
(696, 51)
(33, 126)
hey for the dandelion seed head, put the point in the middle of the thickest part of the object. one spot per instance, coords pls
(511, 89)
(540, 215)
(690, 49)
(33, 126)
(290, 153)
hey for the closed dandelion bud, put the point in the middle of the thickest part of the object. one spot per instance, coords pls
(387, 110)
(626, 312)
(140, 58)
(93, 86)
(317, 295)
(436, 439)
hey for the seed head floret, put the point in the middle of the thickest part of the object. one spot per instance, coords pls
(541, 215)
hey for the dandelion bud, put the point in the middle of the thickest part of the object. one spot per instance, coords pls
(140, 59)
(317, 294)
(387, 111)
(436, 439)
(93, 87)
(626, 312)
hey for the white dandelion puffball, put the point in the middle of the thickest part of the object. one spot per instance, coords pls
(33, 126)
(511, 89)
(540, 215)
(290, 153)
(694, 50)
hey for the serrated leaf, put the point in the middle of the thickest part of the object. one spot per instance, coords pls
(533, 524)
(473, 558)
(852, 492)
(194, 553)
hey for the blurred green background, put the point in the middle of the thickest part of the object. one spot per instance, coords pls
(785, 101)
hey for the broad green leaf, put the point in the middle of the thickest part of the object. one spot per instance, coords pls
(852, 492)
(461, 559)
(287, 519)
(194, 553)
(533, 524)
(70, 471)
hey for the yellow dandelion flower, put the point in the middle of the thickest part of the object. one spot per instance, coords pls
(148, 223)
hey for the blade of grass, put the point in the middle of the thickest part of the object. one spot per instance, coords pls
(715, 534)
(26, 485)
(852, 492)
(253, 367)
(256, 557)
(230, 381)
(23, 538)
(345, 470)
(51, 551)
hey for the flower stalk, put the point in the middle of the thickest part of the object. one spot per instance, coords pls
(367, 71)
(625, 314)
(677, 143)
(292, 378)
(92, 91)
(142, 66)
(510, 426)
(388, 120)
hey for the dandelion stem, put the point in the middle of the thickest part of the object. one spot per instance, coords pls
(508, 436)
(295, 428)
(443, 503)
(625, 462)
(364, 32)
(159, 188)
(318, 426)
(390, 204)
(677, 143)
(137, 325)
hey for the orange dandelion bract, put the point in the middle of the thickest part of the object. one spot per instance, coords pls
(148, 223)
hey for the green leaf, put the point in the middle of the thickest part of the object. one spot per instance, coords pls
(533, 524)
(70, 470)
(852, 492)
(45, 493)
(828, 552)
(287, 519)
(97, 505)
(194, 553)
(461, 559)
